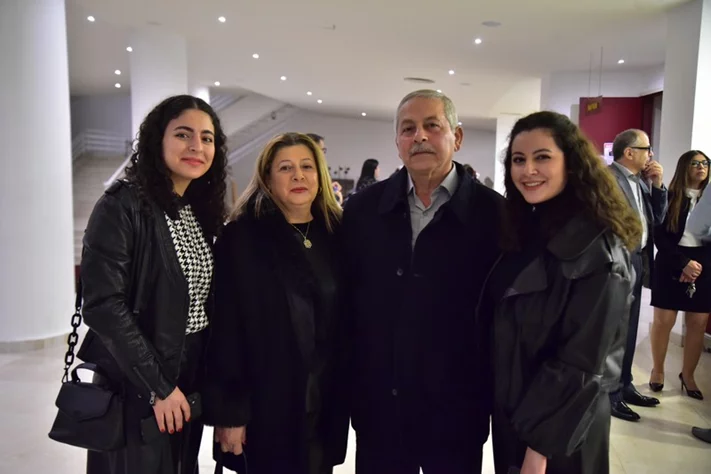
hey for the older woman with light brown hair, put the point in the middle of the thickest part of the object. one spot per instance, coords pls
(274, 372)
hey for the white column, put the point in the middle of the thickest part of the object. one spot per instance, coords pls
(686, 108)
(36, 248)
(201, 92)
(159, 69)
(504, 124)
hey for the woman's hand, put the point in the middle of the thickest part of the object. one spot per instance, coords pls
(691, 271)
(172, 412)
(231, 439)
(534, 463)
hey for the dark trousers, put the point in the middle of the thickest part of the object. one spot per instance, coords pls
(376, 457)
(630, 346)
(163, 453)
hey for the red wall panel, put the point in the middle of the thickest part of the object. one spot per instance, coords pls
(616, 115)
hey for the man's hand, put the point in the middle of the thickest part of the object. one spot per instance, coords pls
(231, 439)
(172, 412)
(654, 172)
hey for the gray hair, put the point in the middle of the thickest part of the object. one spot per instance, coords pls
(623, 141)
(449, 111)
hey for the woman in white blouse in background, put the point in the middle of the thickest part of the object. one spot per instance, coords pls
(682, 278)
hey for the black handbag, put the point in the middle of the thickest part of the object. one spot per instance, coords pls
(91, 414)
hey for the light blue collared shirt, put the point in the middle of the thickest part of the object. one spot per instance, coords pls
(421, 215)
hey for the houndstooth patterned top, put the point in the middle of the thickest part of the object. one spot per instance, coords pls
(196, 261)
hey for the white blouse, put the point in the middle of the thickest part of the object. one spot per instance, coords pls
(688, 239)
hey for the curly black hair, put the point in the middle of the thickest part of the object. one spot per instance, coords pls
(149, 172)
(591, 186)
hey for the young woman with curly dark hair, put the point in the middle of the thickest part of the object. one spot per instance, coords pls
(561, 292)
(146, 270)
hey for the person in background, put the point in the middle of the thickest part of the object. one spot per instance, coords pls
(369, 174)
(562, 291)
(318, 139)
(471, 172)
(699, 225)
(417, 247)
(682, 275)
(147, 272)
(275, 365)
(338, 192)
(634, 169)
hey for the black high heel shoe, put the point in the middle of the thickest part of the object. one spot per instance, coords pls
(656, 387)
(692, 393)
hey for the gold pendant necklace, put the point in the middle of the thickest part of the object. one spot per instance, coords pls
(307, 242)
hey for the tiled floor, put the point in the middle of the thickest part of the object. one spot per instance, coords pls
(660, 443)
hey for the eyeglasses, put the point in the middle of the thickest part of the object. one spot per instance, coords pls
(699, 164)
(645, 148)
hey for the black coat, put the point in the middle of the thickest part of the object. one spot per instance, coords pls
(136, 297)
(668, 242)
(264, 347)
(419, 361)
(560, 333)
(136, 303)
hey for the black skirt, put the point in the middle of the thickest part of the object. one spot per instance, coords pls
(669, 293)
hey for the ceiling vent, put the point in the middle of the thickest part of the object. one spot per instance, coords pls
(419, 80)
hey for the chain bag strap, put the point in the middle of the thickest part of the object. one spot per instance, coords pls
(73, 338)
(90, 415)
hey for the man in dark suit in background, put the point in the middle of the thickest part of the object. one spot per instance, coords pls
(634, 169)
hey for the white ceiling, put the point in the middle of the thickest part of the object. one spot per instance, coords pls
(359, 64)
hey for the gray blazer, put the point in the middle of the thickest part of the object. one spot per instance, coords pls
(655, 209)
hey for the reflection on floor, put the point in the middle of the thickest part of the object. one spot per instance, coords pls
(660, 443)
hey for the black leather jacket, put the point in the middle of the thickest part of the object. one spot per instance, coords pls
(136, 298)
(559, 335)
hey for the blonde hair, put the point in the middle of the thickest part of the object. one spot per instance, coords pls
(258, 190)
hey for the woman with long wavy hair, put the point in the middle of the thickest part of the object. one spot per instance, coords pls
(561, 290)
(146, 270)
(276, 393)
(682, 277)
(369, 174)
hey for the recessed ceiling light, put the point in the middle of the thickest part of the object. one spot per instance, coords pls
(222, 19)
(117, 85)
(439, 90)
(91, 18)
(621, 61)
(129, 49)
(117, 72)
(217, 83)
(459, 123)
(477, 41)
(491, 23)
(363, 114)
(320, 101)
(283, 78)
(255, 56)
(309, 93)
(451, 72)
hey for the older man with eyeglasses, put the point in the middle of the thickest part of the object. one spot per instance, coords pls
(635, 169)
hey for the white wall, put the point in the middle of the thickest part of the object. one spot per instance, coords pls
(559, 91)
(111, 113)
(352, 141)
(36, 269)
